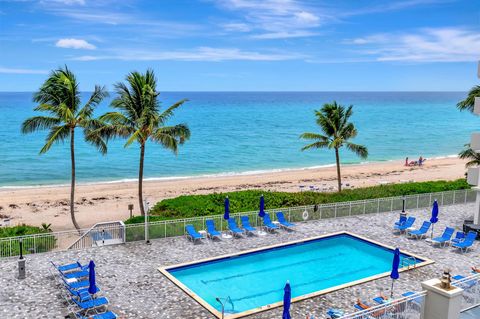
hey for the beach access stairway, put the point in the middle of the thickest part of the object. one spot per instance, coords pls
(101, 234)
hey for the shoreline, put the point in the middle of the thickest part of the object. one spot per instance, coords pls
(209, 175)
(109, 201)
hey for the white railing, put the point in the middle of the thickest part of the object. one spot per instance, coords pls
(101, 234)
(133, 232)
(471, 291)
(404, 308)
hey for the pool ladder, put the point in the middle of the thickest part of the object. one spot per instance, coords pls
(408, 262)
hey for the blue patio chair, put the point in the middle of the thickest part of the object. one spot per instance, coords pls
(75, 274)
(104, 315)
(445, 238)
(459, 237)
(69, 267)
(380, 300)
(212, 233)
(82, 294)
(267, 223)
(363, 305)
(465, 284)
(192, 234)
(74, 285)
(415, 302)
(406, 225)
(419, 233)
(233, 228)
(283, 222)
(246, 225)
(467, 243)
(335, 313)
(91, 304)
(402, 220)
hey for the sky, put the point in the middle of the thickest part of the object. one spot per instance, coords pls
(244, 45)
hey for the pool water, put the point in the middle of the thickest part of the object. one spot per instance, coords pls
(257, 279)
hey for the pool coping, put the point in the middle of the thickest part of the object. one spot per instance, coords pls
(165, 271)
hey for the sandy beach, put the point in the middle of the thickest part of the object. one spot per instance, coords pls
(109, 201)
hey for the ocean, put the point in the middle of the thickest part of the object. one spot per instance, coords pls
(241, 133)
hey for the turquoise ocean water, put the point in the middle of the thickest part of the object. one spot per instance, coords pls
(242, 132)
(257, 280)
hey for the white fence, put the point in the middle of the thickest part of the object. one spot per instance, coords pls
(471, 291)
(404, 308)
(63, 240)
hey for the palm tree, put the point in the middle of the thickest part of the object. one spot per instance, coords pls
(471, 155)
(139, 119)
(469, 102)
(333, 120)
(60, 98)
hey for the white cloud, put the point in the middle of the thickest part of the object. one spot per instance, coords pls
(71, 43)
(236, 27)
(21, 71)
(275, 19)
(197, 54)
(67, 2)
(426, 45)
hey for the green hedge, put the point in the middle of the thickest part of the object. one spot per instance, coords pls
(204, 205)
(39, 245)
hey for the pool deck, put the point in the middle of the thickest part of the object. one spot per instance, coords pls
(128, 275)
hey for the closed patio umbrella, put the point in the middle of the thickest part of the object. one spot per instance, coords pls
(92, 287)
(394, 273)
(434, 218)
(226, 215)
(287, 298)
(261, 213)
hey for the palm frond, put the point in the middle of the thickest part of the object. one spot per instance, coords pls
(168, 113)
(469, 102)
(38, 123)
(57, 134)
(358, 149)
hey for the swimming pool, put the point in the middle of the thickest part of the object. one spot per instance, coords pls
(253, 281)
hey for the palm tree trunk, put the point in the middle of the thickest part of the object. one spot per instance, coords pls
(140, 179)
(339, 175)
(72, 187)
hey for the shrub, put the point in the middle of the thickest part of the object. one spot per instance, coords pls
(248, 200)
(39, 245)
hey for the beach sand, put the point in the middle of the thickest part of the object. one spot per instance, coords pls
(109, 201)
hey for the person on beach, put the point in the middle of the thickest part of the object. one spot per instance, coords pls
(406, 161)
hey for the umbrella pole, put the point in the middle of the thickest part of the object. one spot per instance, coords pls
(391, 290)
(433, 226)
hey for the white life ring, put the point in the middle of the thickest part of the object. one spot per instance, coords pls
(305, 215)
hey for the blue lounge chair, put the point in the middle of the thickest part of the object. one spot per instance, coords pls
(364, 303)
(406, 225)
(69, 267)
(465, 284)
(459, 237)
(283, 222)
(192, 234)
(381, 300)
(419, 233)
(335, 313)
(82, 294)
(104, 315)
(402, 220)
(76, 284)
(416, 302)
(267, 223)
(90, 304)
(445, 238)
(246, 225)
(212, 233)
(233, 228)
(467, 242)
(75, 274)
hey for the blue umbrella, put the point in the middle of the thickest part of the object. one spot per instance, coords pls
(92, 288)
(226, 216)
(396, 263)
(262, 207)
(287, 297)
(434, 217)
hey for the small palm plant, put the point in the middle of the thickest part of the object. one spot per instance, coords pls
(469, 102)
(333, 120)
(469, 154)
(139, 119)
(60, 98)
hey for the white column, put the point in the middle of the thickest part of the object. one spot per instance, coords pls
(441, 303)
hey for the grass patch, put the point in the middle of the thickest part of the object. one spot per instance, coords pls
(242, 201)
(30, 245)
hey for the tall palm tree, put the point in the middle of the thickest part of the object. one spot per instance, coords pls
(471, 155)
(139, 119)
(333, 120)
(469, 102)
(60, 98)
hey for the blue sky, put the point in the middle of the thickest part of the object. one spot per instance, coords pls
(245, 45)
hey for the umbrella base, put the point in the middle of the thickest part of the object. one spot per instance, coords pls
(226, 236)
